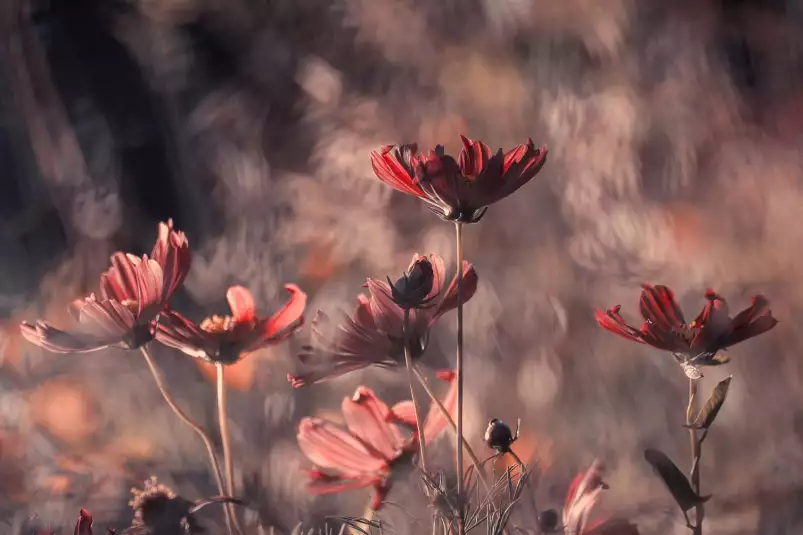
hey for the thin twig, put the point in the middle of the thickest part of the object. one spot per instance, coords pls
(223, 422)
(434, 398)
(460, 371)
(210, 448)
(696, 444)
(408, 361)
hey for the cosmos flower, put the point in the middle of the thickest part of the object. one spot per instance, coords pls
(228, 339)
(133, 292)
(372, 447)
(583, 495)
(458, 190)
(373, 335)
(701, 340)
(414, 288)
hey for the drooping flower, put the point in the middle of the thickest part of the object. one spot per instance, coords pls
(371, 447)
(458, 190)
(584, 493)
(701, 340)
(133, 292)
(227, 339)
(373, 335)
(414, 288)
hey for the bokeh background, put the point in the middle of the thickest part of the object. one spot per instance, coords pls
(674, 133)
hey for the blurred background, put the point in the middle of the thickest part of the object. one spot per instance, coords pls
(674, 133)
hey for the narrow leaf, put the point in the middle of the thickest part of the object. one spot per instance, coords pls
(673, 478)
(711, 409)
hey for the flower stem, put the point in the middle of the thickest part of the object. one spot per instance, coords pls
(408, 361)
(223, 421)
(460, 372)
(474, 459)
(210, 448)
(696, 449)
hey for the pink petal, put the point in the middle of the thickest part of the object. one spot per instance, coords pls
(47, 337)
(386, 314)
(367, 418)
(435, 422)
(329, 446)
(403, 412)
(242, 305)
(176, 331)
(291, 315)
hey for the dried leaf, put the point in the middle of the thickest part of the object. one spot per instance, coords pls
(673, 478)
(711, 409)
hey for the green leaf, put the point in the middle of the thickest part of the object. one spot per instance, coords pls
(711, 409)
(673, 478)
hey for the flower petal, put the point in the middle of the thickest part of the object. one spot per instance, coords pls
(752, 321)
(449, 300)
(290, 317)
(55, 340)
(367, 419)
(612, 321)
(242, 305)
(176, 331)
(336, 484)
(658, 306)
(394, 166)
(473, 157)
(172, 252)
(329, 446)
(581, 498)
(386, 314)
(120, 281)
(403, 412)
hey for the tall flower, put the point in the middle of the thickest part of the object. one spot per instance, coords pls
(227, 339)
(366, 453)
(698, 342)
(373, 335)
(133, 292)
(584, 493)
(458, 190)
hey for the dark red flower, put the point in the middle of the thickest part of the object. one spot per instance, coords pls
(133, 292)
(228, 339)
(699, 341)
(84, 524)
(367, 452)
(373, 335)
(458, 190)
(584, 493)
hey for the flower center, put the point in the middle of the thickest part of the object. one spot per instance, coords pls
(218, 324)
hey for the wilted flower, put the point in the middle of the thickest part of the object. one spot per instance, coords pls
(227, 339)
(159, 511)
(699, 341)
(414, 288)
(499, 437)
(583, 495)
(373, 336)
(458, 190)
(134, 291)
(367, 452)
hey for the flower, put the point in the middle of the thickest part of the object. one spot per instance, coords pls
(414, 288)
(701, 340)
(84, 524)
(458, 190)
(133, 292)
(373, 335)
(583, 495)
(367, 452)
(228, 339)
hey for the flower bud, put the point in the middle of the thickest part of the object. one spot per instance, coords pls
(412, 289)
(548, 521)
(498, 436)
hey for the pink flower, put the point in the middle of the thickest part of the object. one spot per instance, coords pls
(134, 291)
(366, 453)
(373, 335)
(228, 339)
(583, 495)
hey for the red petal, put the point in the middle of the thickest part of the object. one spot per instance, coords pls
(329, 446)
(403, 412)
(658, 305)
(242, 305)
(84, 524)
(449, 300)
(386, 314)
(754, 320)
(435, 421)
(367, 419)
(176, 331)
(390, 171)
(612, 321)
(473, 157)
(291, 316)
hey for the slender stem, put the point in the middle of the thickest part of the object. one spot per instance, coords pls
(460, 372)
(434, 398)
(408, 361)
(696, 444)
(223, 421)
(210, 448)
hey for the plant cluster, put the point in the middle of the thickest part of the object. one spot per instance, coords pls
(390, 328)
